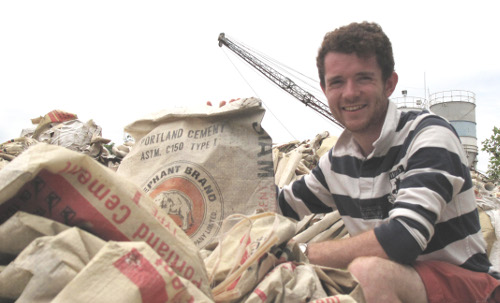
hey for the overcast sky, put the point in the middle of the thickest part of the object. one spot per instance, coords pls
(116, 61)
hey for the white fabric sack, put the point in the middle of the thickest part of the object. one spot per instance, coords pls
(244, 254)
(288, 282)
(74, 189)
(129, 272)
(22, 228)
(47, 265)
(203, 164)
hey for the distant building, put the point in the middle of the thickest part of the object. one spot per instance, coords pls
(459, 107)
(407, 103)
(456, 106)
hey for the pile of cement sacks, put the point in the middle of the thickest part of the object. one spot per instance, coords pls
(65, 129)
(297, 158)
(74, 230)
(488, 202)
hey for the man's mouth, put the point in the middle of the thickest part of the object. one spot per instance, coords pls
(353, 108)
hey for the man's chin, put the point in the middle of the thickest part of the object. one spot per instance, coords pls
(354, 126)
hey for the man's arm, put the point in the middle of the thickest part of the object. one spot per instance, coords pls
(339, 253)
(434, 174)
(312, 188)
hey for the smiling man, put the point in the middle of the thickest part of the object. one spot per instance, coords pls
(400, 181)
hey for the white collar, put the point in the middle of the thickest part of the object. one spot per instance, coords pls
(346, 145)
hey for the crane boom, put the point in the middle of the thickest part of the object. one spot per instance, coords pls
(282, 81)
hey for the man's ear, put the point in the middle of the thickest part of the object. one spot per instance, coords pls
(390, 84)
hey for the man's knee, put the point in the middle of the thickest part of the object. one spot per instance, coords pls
(365, 267)
(375, 271)
(382, 278)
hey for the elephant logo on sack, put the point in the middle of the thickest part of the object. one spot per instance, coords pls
(175, 202)
(189, 194)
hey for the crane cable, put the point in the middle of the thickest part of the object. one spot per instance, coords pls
(285, 69)
(267, 108)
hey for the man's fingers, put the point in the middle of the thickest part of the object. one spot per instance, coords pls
(221, 103)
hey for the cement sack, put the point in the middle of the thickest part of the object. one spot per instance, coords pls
(340, 283)
(48, 121)
(246, 253)
(3, 163)
(311, 229)
(42, 270)
(288, 282)
(78, 136)
(21, 229)
(293, 281)
(489, 215)
(74, 189)
(203, 164)
(487, 229)
(336, 299)
(317, 227)
(13, 148)
(129, 272)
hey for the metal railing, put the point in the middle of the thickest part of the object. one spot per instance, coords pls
(470, 148)
(452, 96)
(409, 102)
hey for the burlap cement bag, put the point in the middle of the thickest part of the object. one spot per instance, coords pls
(50, 119)
(42, 270)
(22, 228)
(13, 148)
(489, 215)
(299, 281)
(487, 230)
(3, 162)
(203, 164)
(318, 227)
(288, 282)
(336, 299)
(129, 272)
(245, 254)
(76, 190)
(340, 283)
(78, 136)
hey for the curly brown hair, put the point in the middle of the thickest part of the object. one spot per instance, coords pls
(364, 39)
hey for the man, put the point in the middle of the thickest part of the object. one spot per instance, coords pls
(399, 180)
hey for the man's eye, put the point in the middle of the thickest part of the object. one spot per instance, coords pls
(335, 83)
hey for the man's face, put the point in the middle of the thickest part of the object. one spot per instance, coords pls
(357, 95)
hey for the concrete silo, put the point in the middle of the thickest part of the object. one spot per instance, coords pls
(459, 107)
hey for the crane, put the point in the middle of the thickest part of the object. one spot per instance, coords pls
(282, 81)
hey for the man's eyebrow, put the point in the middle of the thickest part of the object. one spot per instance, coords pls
(365, 74)
(334, 78)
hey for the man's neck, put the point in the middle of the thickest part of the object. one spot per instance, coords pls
(365, 142)
(366, 146)
(366, 137)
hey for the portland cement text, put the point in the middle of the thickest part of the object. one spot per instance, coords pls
(169, 135)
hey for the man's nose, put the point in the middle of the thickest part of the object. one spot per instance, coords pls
(351, 90)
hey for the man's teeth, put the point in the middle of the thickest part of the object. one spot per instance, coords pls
(353, 108)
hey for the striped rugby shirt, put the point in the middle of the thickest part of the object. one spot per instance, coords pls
(414, 190)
